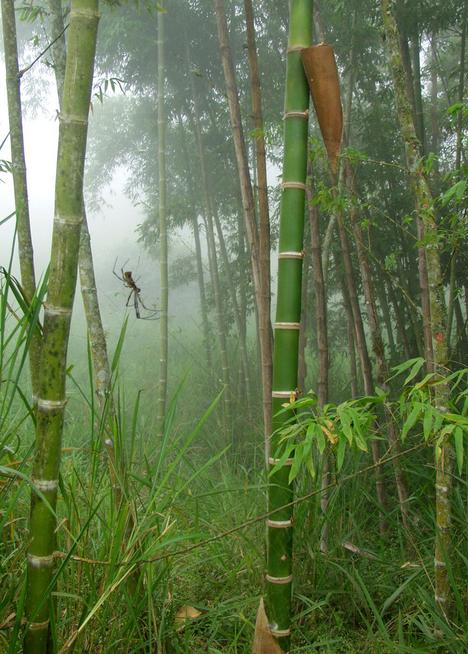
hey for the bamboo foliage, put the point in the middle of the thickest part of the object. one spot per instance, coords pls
(288, 315)
(57, 317)
(25, 246)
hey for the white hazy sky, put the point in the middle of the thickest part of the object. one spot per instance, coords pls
(40, 135)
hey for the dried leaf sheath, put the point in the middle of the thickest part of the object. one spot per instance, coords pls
(62, 282)
(322, 75)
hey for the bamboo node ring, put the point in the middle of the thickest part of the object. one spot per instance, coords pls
(274, 462)
(439, 564)
(51, 405)
(296, 114)
(279, 395)
(439, 598)
(37, 626)
(84, 13)
(280, 633)
(41, 561)
(57, 311)
(296, 48)
(291, 254)
(279, 524)
(279, 580)
(287, 325)
(296, 185)
(71, 119)
(45, 484)
(71, 221)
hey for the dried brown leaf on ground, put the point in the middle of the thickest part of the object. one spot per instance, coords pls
(185, 613)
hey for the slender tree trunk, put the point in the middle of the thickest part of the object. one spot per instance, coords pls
(198, 253)
(366, 367)
(23, 226)
(382, 368)
(322, 347)
(248, 207)
(385, 308)
(213, 259)
(435, 131)
(236, 310)
(202, 291)
(288, 316)
(163, 253)
(351, 339)
(461, 87)
(305, 310)
(400, 321)
(264, 307)
(425, 212)
(225, 376)
(418, 102)
(58, 309)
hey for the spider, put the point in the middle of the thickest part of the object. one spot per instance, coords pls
(130, 283)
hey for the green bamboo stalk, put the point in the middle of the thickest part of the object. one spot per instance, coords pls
(96, 333)
(163, 251)
(51, 402)
(288, 315)
(438, 314)
(23, 226)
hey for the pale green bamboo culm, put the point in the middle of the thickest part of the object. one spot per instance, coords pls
(25, 247)
(288, 316)
(57, 316)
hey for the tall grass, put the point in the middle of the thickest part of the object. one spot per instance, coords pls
(121, 582)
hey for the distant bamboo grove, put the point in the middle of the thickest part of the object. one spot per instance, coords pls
(283, 470)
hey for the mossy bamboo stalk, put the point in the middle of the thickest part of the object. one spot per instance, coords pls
(163, 241)
(51, 402)
(425, 212)
(23, 226)
(288, 315)
(96, 333)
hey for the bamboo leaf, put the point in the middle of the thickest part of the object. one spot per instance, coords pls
(459, 447)
(410, 421)
(340, 452)
(427, 422)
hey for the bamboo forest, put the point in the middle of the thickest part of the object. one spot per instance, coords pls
(233, 326)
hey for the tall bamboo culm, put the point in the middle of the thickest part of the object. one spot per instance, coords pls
(96, 334)
(164, 282)
(288, 315)
(51, 402)
(437, 310)
(23, 228)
